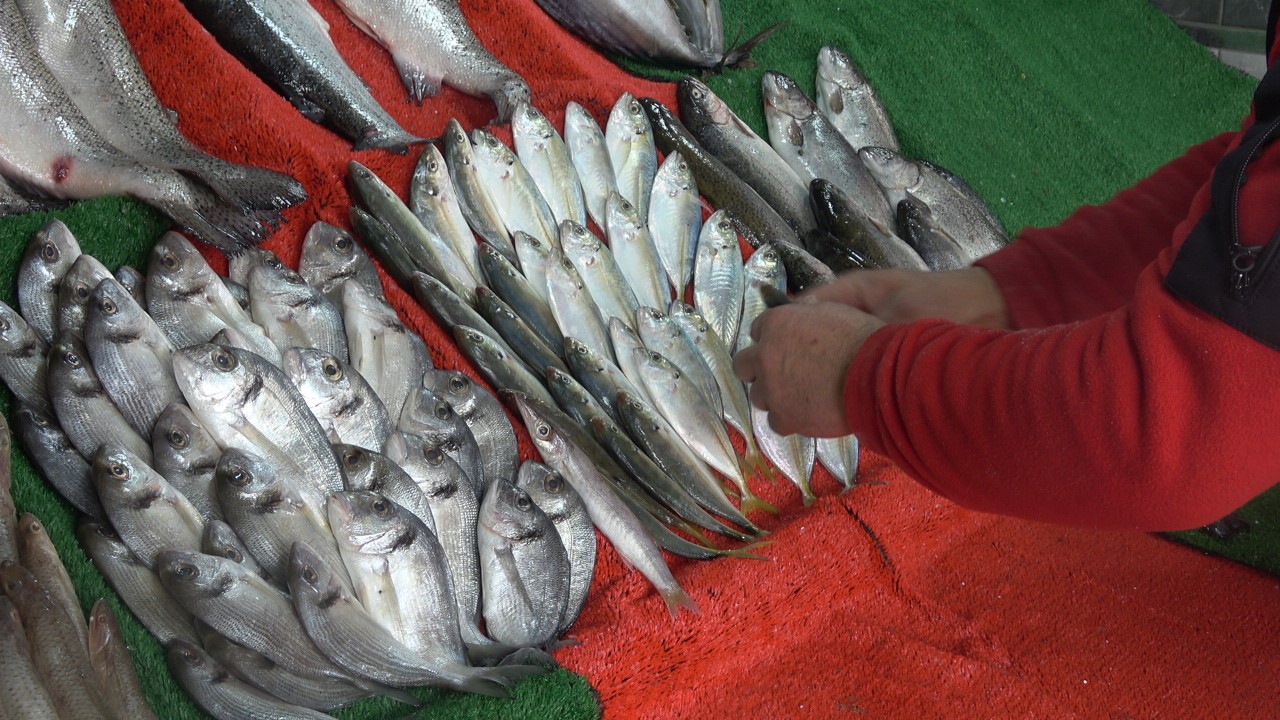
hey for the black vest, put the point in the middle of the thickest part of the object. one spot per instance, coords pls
(1237, 283)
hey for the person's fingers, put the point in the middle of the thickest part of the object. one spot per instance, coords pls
(780, 425)
(757, 326)
(745, 362)
(758, 396)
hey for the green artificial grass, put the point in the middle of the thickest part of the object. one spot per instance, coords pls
(1041, 105)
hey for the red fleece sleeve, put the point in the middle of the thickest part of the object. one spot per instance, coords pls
(1089, 263)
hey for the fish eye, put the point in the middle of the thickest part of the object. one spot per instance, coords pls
(725, 225)
(108, 306)
(332, 370)
(433, 456)
(458, 383)
(553, 483)
(72, 358)
(443, 411)
(82, 293)
(240, 477)
(433, 166)
(224, 360)
(169, 261)
(5, 325)
(523, 503)
(49, 252)
(177, 438)
(381, 507)
(232, 554)
(309, 575)
(634, 107)
(185, 571)
(273, 262)
(543, 430)
(351, 457)
(118, 470)
(192, 657)
(343, 244)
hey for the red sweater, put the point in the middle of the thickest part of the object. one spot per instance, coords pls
(1115, 404)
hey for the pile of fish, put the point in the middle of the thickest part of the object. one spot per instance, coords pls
(81, 120)
(287, 43)
(279, 483)
(52, 663)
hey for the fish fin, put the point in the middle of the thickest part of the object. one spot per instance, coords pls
(309, 110)
(508, 95)
(263, 190)
(420, 83)
(507, 561)
(677, 598)
(386, 691)
(752, 502)
(394, 139)
(740, 55)
(226, 226)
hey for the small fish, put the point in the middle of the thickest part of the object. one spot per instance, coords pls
(134, 282)
(547, 159)
(429, 418)
(452, 311)
(341, 399)
(113, 667)
(82, 406)
(502, 369)
(589, 153)
(533, 255)
(478, 206)
(37, 554)
(662, 335)
(364, 469)
(600, 271)
(849, 101)
(793, 455)
(186, 455)
(576, 311)
(386, 353)
(293, 313)
(562, 505)
(528, 345)
(220, 539)
(222, 694)
(76, 290)
(719, 277)
(44, 442)
(147, 512)
(435, 202)
(675, 219)
(855, 233)
(330, 257)
(518, 291)
(24, 366)
(636, 254)
(513, 190)
(49, 255)
(632, 152)
(484, 416)
(598, 374)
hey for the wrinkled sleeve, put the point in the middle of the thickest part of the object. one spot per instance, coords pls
(1089, 263)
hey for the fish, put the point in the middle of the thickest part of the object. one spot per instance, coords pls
(435, 202)
(500, 368)
(719, 277)
(632, 151)
(131, 355)
(22, 690)
(191, 303)
(85, 412)
(917, 226)
(840, 457)
(293, 313)
(524, 568)
(598, 374)
(221, 694)
(589, 154)
(956, 207)
(147, 512)
(220, 539)
(429, 418)
(50, 147)
(850, 103)
(576, 311)
(625, 341)
(342, 400)
(517, 290)
(545, 155)
(287, 44)
(185, 454)
(637, 256)
(600, 271)
(608, 512)
(532, 255)
(485, 418)
(527, 344)
(365, 469)
(49, 448)
(113, 668)
(136, 584)
(662, 335)
(38, 555)
(46, 260)
(478, 206)
(855, 233)
(386, 353)
(76, 290)
(813, 148)
(134, 283)
(514, 192)
(432, 43)
(330, 257)
(563, 507)
(24, 366)
(726, 136)
(452, 311)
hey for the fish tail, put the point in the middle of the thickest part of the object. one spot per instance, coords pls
(258, 188)
(740, 55)
(496, 681)
(228, 227)
(676, 598)
(386, 691)
(752, 502)
(746, 553)
(395, 139)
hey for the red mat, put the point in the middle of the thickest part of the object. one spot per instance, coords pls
(919, 610)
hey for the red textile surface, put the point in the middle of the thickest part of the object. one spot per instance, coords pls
(970, 620)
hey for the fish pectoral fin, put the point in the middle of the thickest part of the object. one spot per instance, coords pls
(507, 561)
(309, 110)
(420, 82)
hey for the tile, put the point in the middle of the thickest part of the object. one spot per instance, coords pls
(1245, 13)
(1202, 11)
(1254, 64)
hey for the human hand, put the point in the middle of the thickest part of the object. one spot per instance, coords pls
(797, 365)
(969, 296)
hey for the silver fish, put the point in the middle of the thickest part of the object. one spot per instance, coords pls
(850, 102)
(147, 512)
(330, 257)
(675, 219)
(625, 342)
(131, 355)
(917, 226)
(22, 689)
(49, 448)
(528, 345)
(503, 370)
(840, 457)
(719, 277)
(24, 366)
(546, 157)
(484, 416)
(134, 282)
(341, 399)
(633, 246)
(600, 271)
(434, 201)
(113, 667)
(452, 311)
(513, 190)
(520, 292)
(524, 567)
(557, 498)
(82, 406)
(364, 469)
(681, 34)
(576, 311)
(432, 43)
(598, 374)
(222, 694)
(390, 356)
(220, 539)
(186, 455)
(293, 313)
(77, 287)
(533, 255)
(662, 335)
(589, 153)
(478, 206)
(48, 257)
(431, 419)
(632, 152)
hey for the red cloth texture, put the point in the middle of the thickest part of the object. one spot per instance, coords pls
(1116, 405)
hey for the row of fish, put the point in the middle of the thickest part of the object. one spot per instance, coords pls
(82, 121)
(52, 662)
(307, 492)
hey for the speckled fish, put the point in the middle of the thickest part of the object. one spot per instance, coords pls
(431, 44)
(147, 512)
(136, 584)
(719, 277)
(82, 406)
(576, 311)
(545, 155)
(632, 152)
(247, 403)
(131, 355)
(191, 303)
(24, 362)
(37, 554)
(186, 455)
(113, 667)
(514, 192)
(478, 206)
(429, 418)
(221, 540)
(22, 690)
(813, 148)
(562, 505)
(454, 509)
(77, 287)
(840, 457)
(330, 257)
(957, 209)
(434, 201)
(600, 271)
(589, 153)
(917, 226)
(850, 227)
(293, 313)
(484, 416)
(221, 694)
(49, 448)
(58, 654)
(849, 101)
(48, 257)
(502, 369)
(608, 512)
(633, 248)
(389, 355)
(51, 147)
(364, 469)
(689, 33)
(287, 44)
(528, 345)
(430, 252)
(341, 399)
(524, 567)
(268, 513)
(750, 156)
(519, 291)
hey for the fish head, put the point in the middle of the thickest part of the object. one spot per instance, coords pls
(41, 424)
(114, 307)
(489, 305)
(528, 246)
(623, 337)
(580, 126)
(627, 120)
(192, 574)
(541, 430)
(718, 230)
(77, 289)
(891, 170)
(427, 414)
(489, 149)
(119, 471)
(652, 322)
(50, 253)
(478, 346)
(69, 359)
(358, 464)
(431, 173)
(367, 523)
(674, 176)
(177, 266)
(17, 338)
(698, 105)
(455, 386)
(563, 385)
(836, 69)
(22, 587)
(764, 265)
(331, 248)
(242, 263)
(216, 376)
(188, 660)
(577, 240)
(548, 488)
(31, 533)
(320, 377)
(310, 578)
(579, 355)
(528, 122)
(457, 147)
(221, 540)
(245, 474)
(509, 512)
